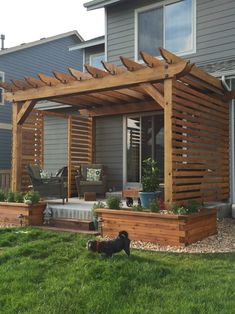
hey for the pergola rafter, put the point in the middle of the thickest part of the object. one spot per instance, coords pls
(195, 114)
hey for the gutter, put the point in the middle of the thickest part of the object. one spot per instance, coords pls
(232, 145)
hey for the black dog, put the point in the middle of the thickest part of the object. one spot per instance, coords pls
(108, 248)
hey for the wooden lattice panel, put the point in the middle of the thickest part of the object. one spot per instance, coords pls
(200, 146)
(80, 146)
(32, 145)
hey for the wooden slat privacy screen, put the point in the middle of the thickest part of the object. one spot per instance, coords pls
(200, 143)
(80, 146)
(32, 145)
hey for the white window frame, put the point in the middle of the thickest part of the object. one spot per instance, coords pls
(163, 4)
(2, 74)
(124, 146)
(96, 55)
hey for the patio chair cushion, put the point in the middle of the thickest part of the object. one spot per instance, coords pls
(93, 174)
(91, 183)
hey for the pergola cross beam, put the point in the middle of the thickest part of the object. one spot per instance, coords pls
(25, 110)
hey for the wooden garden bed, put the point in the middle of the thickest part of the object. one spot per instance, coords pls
(167, 229)
(32, 214)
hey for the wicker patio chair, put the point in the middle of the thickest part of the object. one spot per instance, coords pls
(47, 187)
(86, 184)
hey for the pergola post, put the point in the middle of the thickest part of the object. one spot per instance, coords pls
(168, 167)
(16, 148)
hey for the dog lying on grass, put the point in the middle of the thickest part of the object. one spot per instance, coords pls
(108, 248)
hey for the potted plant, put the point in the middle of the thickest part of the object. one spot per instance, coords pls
(150, 182)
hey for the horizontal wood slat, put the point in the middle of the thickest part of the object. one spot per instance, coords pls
(81, 146)
(200, 145)
(32, 145)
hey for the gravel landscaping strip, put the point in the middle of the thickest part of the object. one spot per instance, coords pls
(223, 241)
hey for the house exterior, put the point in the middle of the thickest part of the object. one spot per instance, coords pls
(200, 31)
(42, 56)
(128, 103)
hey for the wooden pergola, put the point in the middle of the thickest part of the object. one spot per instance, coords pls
(196, 115)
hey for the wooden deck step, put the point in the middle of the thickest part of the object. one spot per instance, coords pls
(67, 223)
(50, 228)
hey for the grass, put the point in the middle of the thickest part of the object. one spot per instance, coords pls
(47, 272)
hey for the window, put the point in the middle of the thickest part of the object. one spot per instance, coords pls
(1, 89)
(95, 60)
(144, 139)
(170, 25)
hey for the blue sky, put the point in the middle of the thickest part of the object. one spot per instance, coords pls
(23, 21)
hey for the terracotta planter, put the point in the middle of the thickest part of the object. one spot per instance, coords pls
(32, 214)
(176, 230)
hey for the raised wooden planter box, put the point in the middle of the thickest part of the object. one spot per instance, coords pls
(176, 230)
(33, 214)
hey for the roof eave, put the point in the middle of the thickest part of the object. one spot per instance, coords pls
(98, 4)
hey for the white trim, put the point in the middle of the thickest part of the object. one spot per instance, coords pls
(96, 55)
(40, 42)
(124, 161)
(5, 126)
(106, 35)
(2, 74)
(89, 43)
(92, 5)
(164, 4)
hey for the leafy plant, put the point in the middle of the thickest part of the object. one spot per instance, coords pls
(32, 196)
(19, 197)
(113, 202)
(10, 197)
(150, 175)
(97, 205)
(154, 206)
(178, 209)
(2, 196)
(137, 208)
(193, 206)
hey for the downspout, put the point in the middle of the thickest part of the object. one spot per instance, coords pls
(232, 146)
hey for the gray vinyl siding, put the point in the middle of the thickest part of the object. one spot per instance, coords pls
(109, 148)
(91, 51)
(44, 58)
(55, 143)
(215, 28)
(5, 149)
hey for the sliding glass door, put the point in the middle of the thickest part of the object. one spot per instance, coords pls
(144, 139)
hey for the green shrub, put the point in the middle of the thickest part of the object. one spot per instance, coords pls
(10, 197)
(32, 196)
(19, 197)
(113, 202)
(150, 175)
(137, 208)
(97, 205)
(178, 209)
(193, 206)
(154, 206)
(2, 196)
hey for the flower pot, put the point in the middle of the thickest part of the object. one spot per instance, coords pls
(147, 197)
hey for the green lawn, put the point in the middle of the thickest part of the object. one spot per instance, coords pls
(47, 272)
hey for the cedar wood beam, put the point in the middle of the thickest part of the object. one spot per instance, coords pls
(122, 80)
(154, 93)
(25, 111)
(195, 71)
(121, 109)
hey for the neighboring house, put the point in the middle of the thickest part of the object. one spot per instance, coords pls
(93, 51)
(42, 56)
(198, 30)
